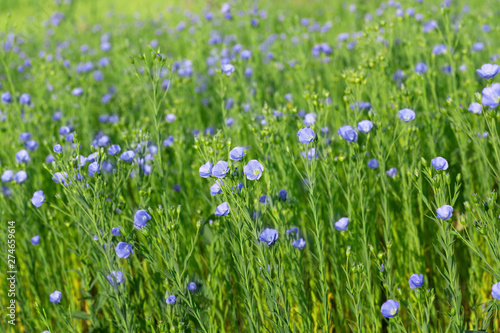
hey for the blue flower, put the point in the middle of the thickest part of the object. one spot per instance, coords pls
(170, 117)
(22, 156)
(191, 286)
(348, 133)
(491, 96)
(406, 114)
(365, 126)
(222, 209)
(25, 99)
(114, 149)
(309, 119)
(237, 153)
(299, 243)
(342, 224)
(311, 154)
(220, 169)
(127, 156)
(282, 194)
(488, 71)
(495, 291)
(416, 281)
(60, 177)
(55, 297)
(227, 69)
(421, 68)
(123, 250)
(116, 231)
(268, 236)
(439, 163)
(140, 219)
(171, 299)
(7, 176)
(293, 230)
(116, 276)
(35, 240)
(439, 49)
(475, 108)
(93, 168)
(77, 91)
(6, 98)
(373, 163)
(57, 148)
(20, 176)
(306, 135)
(264, 199)
(444, 212)
(205, 170)
(25, 136)
(38, 199)
(253, 170)
(215, 188)
(392, 172)
(169, 142)
(390, 308)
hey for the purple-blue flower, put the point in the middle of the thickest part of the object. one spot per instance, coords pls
(215, 188)
(416, 281)
(365, 126)
(444, 212)
(22, 156)
(342, 224)
(114, 149)
(191, 286)
(268, 236)
(7, 176)
(348, 133)
(35, 240)
(491, 96)
(123, 250)
(25, 99)
(55, 297)
(237, 153)
(227, 69)
(390, 308)
(406, 114)
(220, 169)
(140, 219)
(205, 170)
(299, 243)
(116, 277)
(439, 49)
(421, 67)
(282, 194)
(116, 231)
(439, 163)
(57, 148)
(77, 91)
(38, 198)
(306, 135)
(373, 163)
(127, 156)
(495, 291)
(253, 170)
(6, 98)
(488, 71)
(475, 108)
(222, 209)
(171, 299)
(392, 172)
(20, 176)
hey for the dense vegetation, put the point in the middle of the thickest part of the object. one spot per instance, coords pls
(250, 167)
